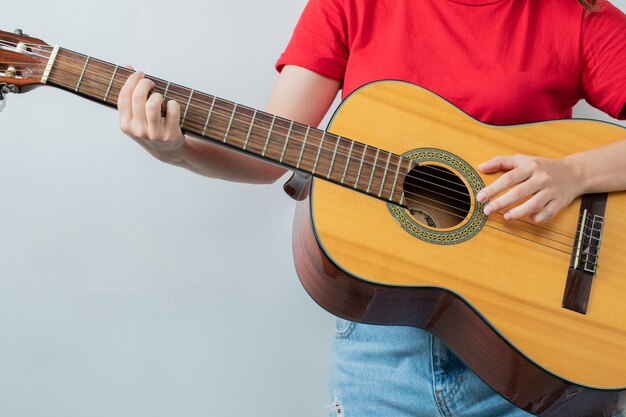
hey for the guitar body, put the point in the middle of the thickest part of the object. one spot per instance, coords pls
(389, 230)
(491, 290)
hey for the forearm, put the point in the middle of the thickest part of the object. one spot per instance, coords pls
(216, 161)
(601, 169)
(299, 94)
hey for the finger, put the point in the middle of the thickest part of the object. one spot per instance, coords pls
(153, 116)
(529, 207)
(514, 195)
(140, 96)
(172, 119)
(124, 100)
(505, 182)
(499, 163)
(548, 212)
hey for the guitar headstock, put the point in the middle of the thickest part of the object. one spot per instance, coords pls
(23, 61)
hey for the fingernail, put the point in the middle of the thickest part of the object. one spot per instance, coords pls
(507, 216)
(480, 197)
(487, 210)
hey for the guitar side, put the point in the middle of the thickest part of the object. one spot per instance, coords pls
(478, 295)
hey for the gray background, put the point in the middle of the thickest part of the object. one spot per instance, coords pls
(132, 288)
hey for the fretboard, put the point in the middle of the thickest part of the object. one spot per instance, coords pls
(292, 145)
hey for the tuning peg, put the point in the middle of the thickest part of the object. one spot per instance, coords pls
(4, 90)
(19, 32)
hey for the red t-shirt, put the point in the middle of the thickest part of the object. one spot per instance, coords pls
(501, 61)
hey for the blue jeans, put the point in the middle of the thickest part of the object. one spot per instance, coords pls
(381, 371)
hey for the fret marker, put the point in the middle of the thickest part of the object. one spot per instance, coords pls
(53, 57)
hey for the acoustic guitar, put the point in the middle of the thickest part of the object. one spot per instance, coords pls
(388, 229)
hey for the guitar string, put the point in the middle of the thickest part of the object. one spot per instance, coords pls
(277, 130)
(498, 213)
(368, 163)
(448, 173)
(377, 166)
(9, 43)
(442, 170)
(185, 97)
(462, 217)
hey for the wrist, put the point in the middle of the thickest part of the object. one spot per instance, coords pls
(579, 173)
(173, 155)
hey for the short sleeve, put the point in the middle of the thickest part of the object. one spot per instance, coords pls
(319, 41)
(603, 55)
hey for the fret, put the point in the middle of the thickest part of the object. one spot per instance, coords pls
(230, 123)
(208, 117)
(106, 96)
(395, 180)
(82, 74)
(282, 154)
(345, 170)
(369, 184)
(182, 122)
(332, 161)
(306, 136)
(245, 144)
(319, 151)
(167, 87)
(358, 174)
(382, 183)
(269, 133)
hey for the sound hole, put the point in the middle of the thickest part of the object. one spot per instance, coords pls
(436, 196)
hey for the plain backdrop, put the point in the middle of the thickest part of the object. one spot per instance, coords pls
(132, 288)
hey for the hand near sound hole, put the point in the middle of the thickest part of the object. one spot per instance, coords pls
(531, 186)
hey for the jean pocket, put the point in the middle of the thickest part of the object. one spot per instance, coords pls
(343, 328)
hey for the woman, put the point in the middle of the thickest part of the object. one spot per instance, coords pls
(501, 61)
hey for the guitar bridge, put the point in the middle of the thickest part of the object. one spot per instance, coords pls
(586, 249)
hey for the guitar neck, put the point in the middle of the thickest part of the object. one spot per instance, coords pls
(284, 142)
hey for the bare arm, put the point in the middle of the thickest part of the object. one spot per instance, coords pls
(299, 94)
